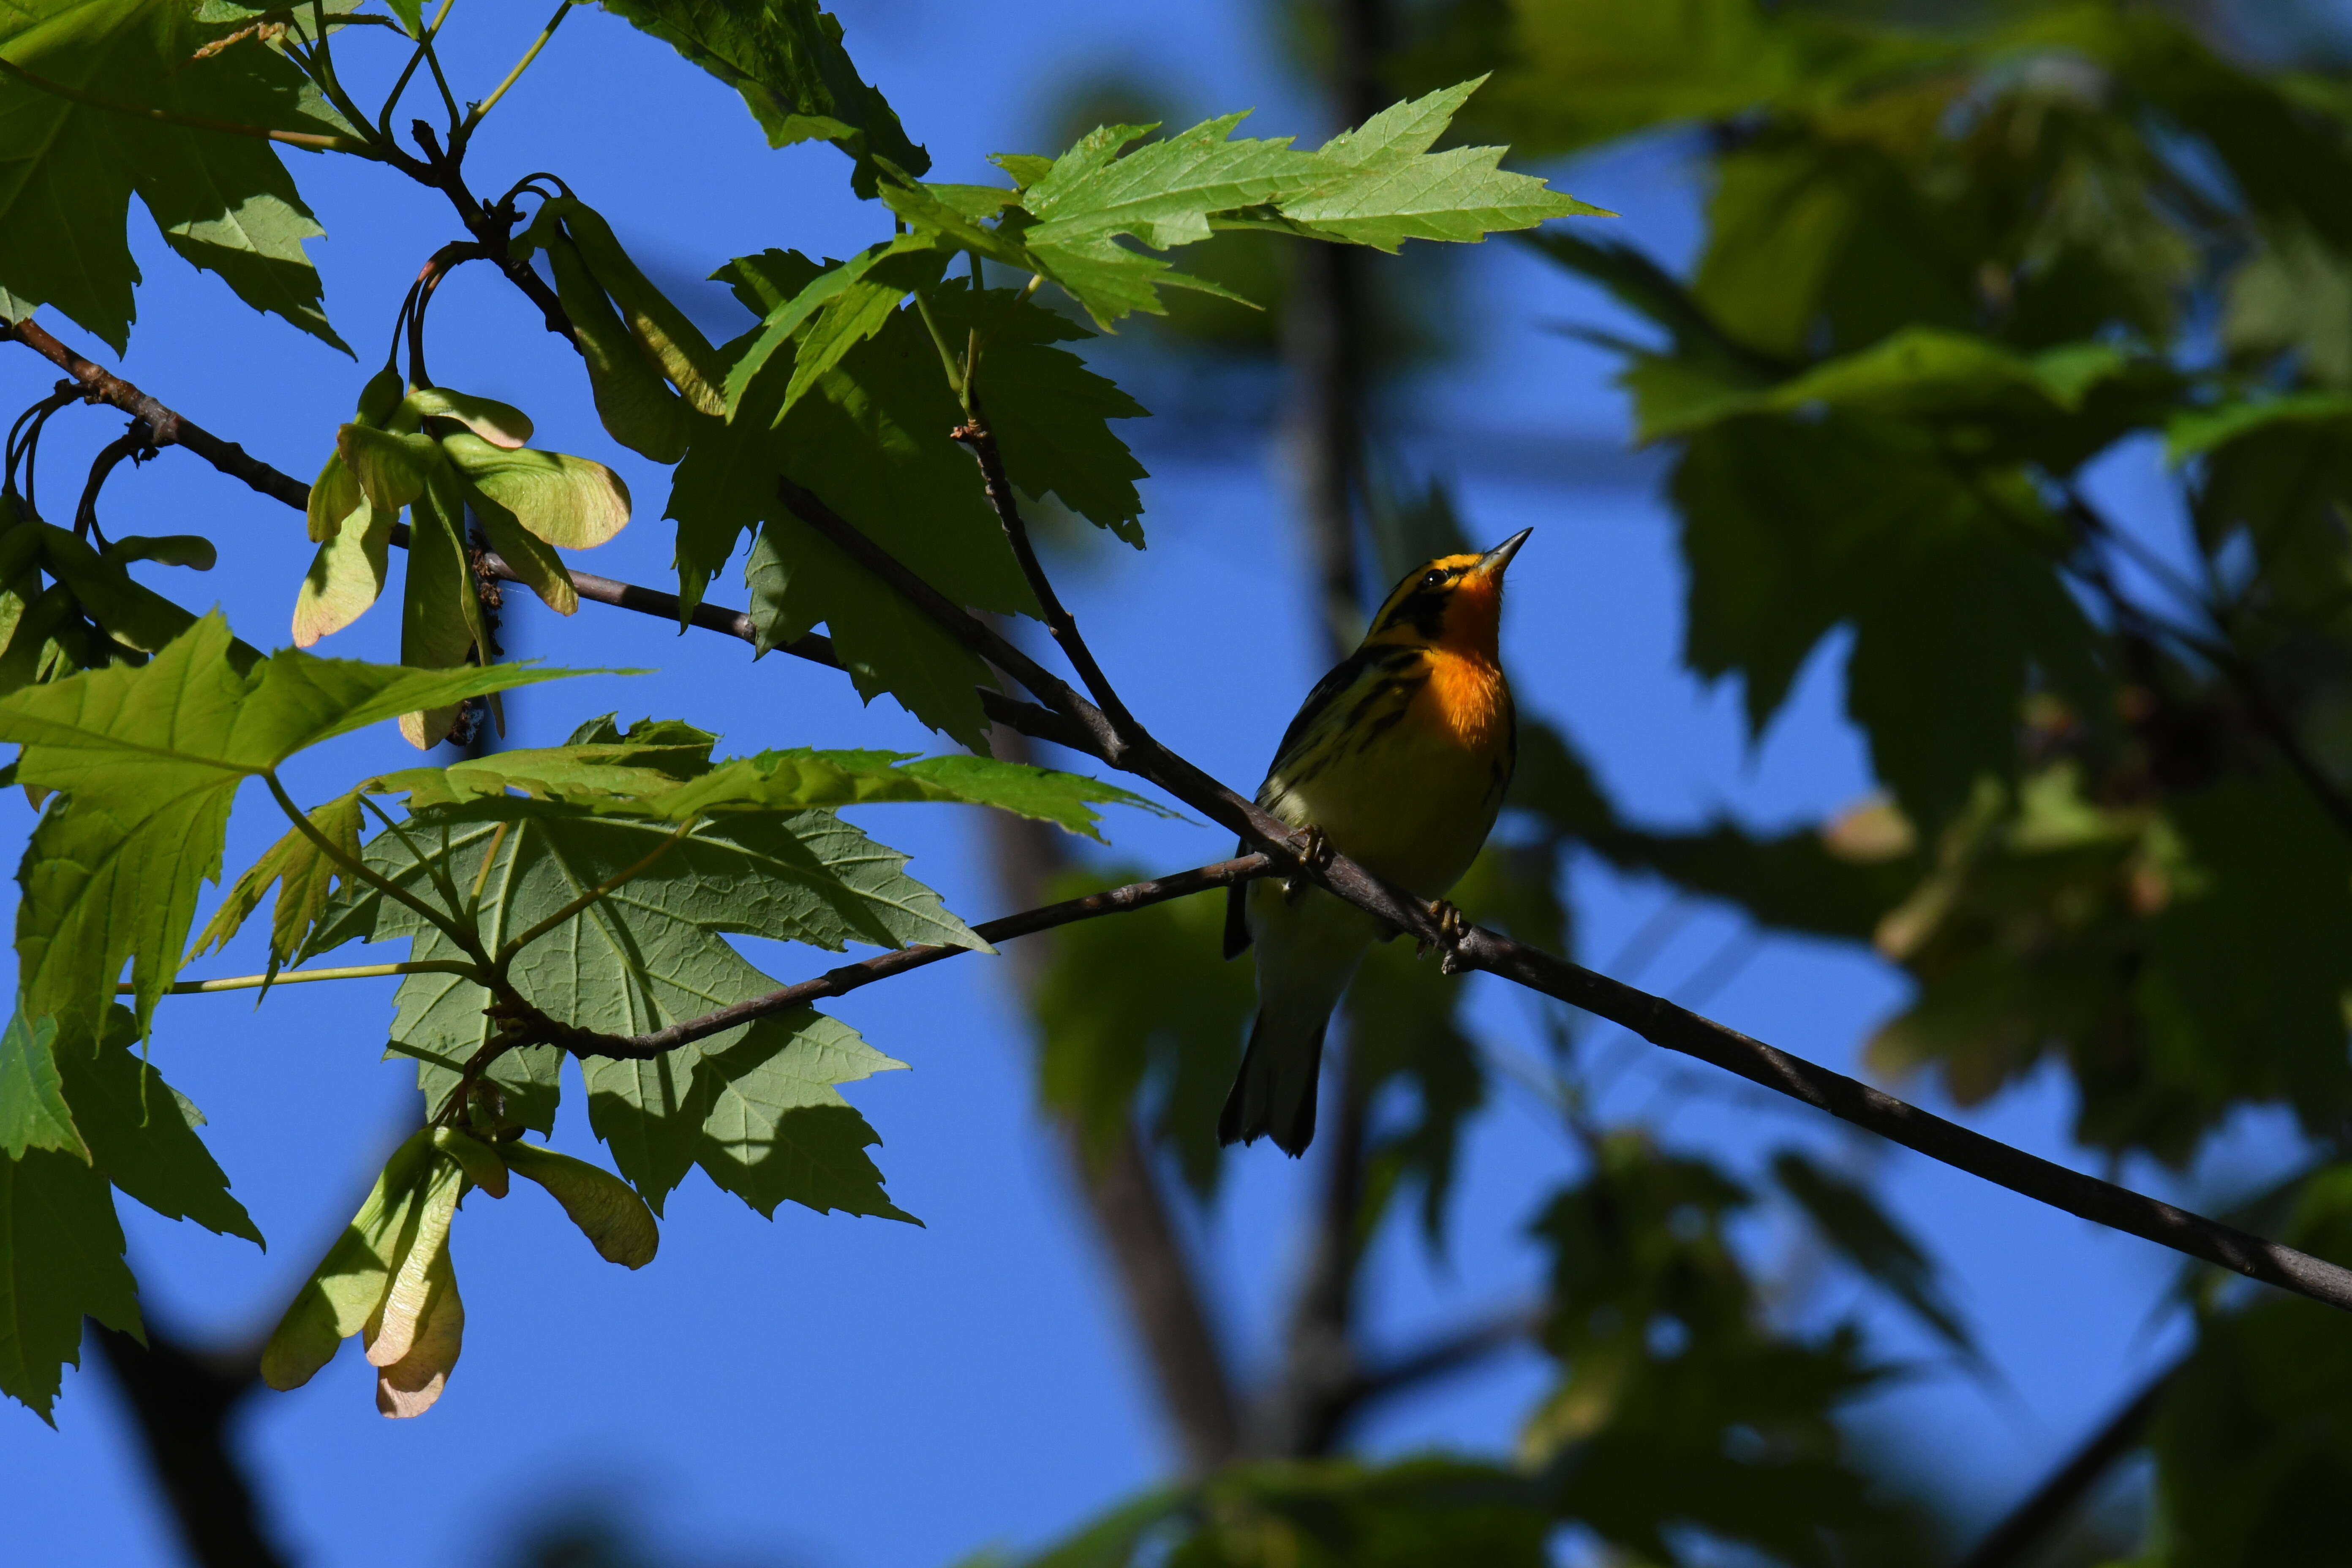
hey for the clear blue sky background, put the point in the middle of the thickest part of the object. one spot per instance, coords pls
(838, 1391)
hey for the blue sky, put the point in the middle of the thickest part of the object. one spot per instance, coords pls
(839, 1392)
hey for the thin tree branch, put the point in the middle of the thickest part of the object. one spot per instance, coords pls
(1652, 1017)
(1457, 1350)
(168, 428)
(165, 428)
(981, 441)
(2031, 1523)
(851, 976)
(1662, 1023)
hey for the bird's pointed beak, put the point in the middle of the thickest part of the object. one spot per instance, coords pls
(1491, 564)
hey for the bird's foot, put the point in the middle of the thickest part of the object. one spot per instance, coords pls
(1315, 855)
(1453, 925)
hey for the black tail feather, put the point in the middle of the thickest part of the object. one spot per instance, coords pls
(1251, 1111)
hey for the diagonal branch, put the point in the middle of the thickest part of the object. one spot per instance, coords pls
(168, 428)
(1078, 723)
(851, 976)
(1653, 1019)
(976, 434)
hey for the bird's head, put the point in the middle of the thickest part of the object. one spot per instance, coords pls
(1454, 602)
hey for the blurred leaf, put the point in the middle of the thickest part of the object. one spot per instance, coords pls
(1678, 1408)
(1328, 1514)
(1870, 1239)
(1949, 578)
(2252, 1435)
(1144, 1019)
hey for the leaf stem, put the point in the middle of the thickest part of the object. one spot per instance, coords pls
(482, 874)
(958, 381)
(295, 976)
(465, 940)
(319, 61)
(308, 141)
(431, 864)
(474, 116)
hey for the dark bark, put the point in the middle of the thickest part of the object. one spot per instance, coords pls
(185, 1402)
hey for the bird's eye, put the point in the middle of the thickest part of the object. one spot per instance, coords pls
(1434, 579)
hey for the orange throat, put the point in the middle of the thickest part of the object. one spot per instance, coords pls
(1471, 700)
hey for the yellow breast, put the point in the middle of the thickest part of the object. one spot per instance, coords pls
(1410, 784)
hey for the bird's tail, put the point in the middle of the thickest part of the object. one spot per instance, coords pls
(1275, 1093)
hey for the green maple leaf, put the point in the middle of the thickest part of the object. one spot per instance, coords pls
(1378, 185)
(651, 954)
(69, 169)
(142, 1132)
(1050, 413)
(33, 1109)
(60, 1260)
(1394, 189)
(869, 438)
(786, 57)
(147, 762)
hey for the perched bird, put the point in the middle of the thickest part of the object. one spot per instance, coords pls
(1398, 760)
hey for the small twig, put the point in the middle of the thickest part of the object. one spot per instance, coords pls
(437, 266)
(1101, 737)
(136, 444)
(2223, 655)
(474, 117)
(164, 428)
(1438, 1357)
(980, 440)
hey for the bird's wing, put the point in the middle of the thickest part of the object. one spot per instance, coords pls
(1368, 668)
(1237, 933)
